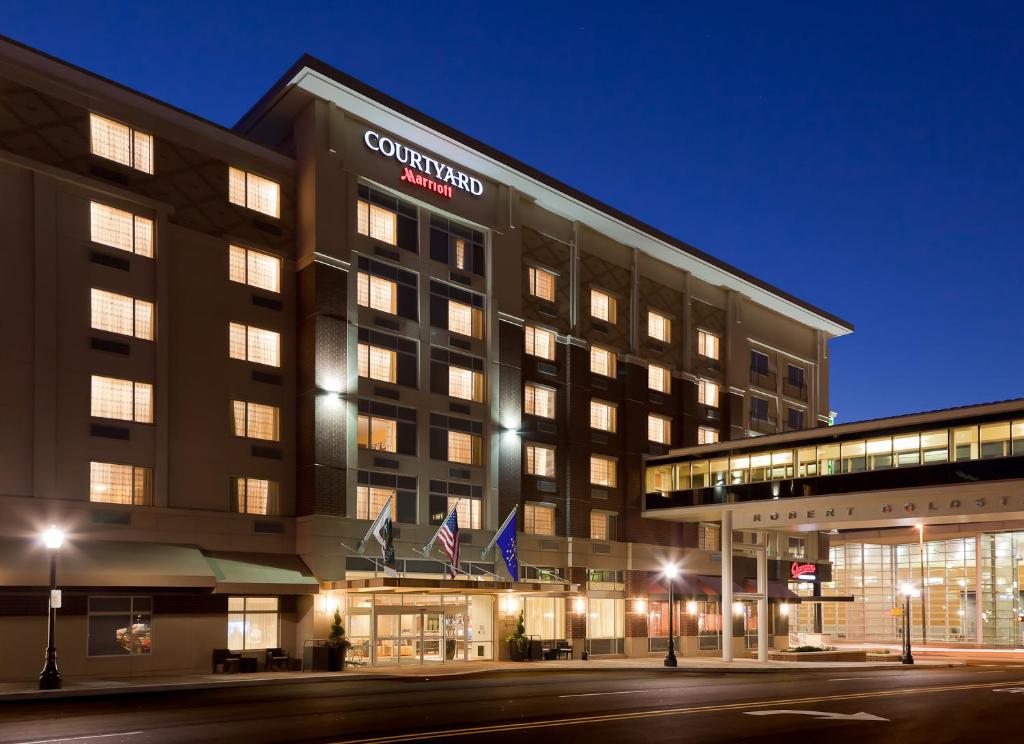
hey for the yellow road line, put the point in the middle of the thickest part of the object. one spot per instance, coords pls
(578, 720)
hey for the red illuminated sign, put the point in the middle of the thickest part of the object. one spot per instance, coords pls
(411, 176)
(802, 570)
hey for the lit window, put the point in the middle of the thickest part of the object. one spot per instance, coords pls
(370, 501)
(254, 192)
(602, 415)
(602, 471)
(460, 254)
(377, 363)
(255, 496)
(120, 484)
(540, 460)
(707, 393)
(120, 143)
(539, 401)
(468, 511)
(376, 293)
(658, 326)
(707, 344)
(659, 429)
(124, 400)
(254, 268)
(601, 525)
(602, 361)
(540, 342)
(463, 448)
(121, 314)
(542, 284)
(252, 344)
(602, 306)
(119, 229)
(119, 625)
(465, 384)
(256, 420)
(706, 435)
(252, 623)
(377, 433)
(377, 222)
(659, 378)
(465, 319)
(539, 519)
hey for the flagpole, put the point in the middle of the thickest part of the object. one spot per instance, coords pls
(361, 545)
(494, 539)
(425, 550)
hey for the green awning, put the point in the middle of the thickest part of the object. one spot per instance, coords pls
(260, 573)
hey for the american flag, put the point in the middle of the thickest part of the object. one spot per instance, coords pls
(449, 537)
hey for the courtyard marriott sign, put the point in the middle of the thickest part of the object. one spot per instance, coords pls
(422, 170)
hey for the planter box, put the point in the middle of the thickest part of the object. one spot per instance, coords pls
(884, 657)
(817, 656)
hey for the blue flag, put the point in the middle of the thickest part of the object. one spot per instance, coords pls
(506, 542)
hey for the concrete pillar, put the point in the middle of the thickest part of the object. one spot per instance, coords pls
(762, 603)
(727, 586)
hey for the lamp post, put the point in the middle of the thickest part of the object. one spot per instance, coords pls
(671, 570)
(908, 591)
(49, 678)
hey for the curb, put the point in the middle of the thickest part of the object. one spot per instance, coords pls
(66, 694)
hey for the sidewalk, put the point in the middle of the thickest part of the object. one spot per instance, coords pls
(85, 688)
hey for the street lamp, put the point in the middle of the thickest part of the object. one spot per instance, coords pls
(49, 678)
(907, 591)
(671, 570)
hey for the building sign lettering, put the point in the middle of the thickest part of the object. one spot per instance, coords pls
(803, 571)
(422, 170)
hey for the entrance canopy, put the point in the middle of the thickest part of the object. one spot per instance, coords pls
(394, 584)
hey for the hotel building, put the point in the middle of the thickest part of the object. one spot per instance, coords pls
(229, 348)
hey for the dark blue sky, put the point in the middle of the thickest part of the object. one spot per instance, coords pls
(869, 160)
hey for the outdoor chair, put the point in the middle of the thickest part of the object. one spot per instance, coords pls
(277, 658)
(227, 660)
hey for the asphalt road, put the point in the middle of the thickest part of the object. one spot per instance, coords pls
(980, 703)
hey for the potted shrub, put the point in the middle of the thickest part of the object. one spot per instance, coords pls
(337, 645)
(518, 643)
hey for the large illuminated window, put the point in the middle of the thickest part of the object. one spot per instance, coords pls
(603, 471)
(602, 306)
(706, 435)
(376, 293)
(465, 319)
(659, 327)
(124, 400)
(540, 342)
(539, 400)
(253, 344)
(255, 496)
(601, 525)
(377, 222)
(377, 363)
(542, 283)
(377, 433)
(118, 313)
(602, 361)
(539, 519)
(707, 344)
(465, 384)
(120, 229)
(253, 623)
(110, 483)
(464, 448)
(602, 415)
(254, 192)
(659, 429)
(707, 393)
(254, 268)
(659, 378)
(540, 460)
(256, 420)
(122, 144)
(370, 500)
(468, 511)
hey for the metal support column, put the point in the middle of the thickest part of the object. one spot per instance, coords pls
(762, 602)
(726, 586)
